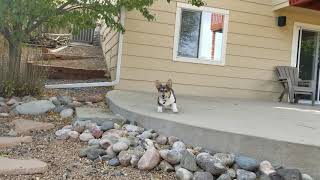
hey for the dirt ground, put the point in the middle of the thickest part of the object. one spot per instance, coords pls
(62, 156)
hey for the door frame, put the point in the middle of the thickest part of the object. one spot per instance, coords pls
(295, 38)
(295, 43)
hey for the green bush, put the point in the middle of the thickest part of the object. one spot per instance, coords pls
(29, 81)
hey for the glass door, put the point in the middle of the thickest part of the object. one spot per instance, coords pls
(308, 58)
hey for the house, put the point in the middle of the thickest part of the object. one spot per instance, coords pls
(229, 48)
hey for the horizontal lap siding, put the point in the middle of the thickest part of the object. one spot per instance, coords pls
(255, 46)
(109, 43)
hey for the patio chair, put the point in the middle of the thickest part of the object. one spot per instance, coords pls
(292, 85)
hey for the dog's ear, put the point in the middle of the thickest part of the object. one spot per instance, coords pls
(169, 83)
(158, 84)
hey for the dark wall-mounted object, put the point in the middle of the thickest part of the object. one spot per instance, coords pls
(282, 21)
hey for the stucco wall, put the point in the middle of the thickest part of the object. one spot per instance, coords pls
(109, 43)
(255, 46)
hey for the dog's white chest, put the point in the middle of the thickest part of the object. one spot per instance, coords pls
(167, 101)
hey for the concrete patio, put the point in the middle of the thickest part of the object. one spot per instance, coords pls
(283, 133)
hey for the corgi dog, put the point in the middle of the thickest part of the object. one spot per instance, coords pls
(166, 96)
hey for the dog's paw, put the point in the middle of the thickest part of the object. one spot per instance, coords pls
(159, 109)
(174, 108)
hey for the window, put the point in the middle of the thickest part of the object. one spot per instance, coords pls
(200, 35)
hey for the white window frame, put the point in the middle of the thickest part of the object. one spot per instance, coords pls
(181, 6)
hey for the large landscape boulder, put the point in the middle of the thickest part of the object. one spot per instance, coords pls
(149, 160)
(21, 167)
(13, 141)
(35, 107)
(24, 126)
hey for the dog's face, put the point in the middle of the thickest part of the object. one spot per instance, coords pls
(164, 90)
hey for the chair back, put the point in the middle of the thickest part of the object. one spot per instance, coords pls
(289, 73)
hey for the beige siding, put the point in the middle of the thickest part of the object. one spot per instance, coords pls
(109, 42)
(255, 46)
(279, 4)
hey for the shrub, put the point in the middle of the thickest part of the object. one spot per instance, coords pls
(29, 81)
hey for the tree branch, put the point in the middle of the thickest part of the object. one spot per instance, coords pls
(45, 18)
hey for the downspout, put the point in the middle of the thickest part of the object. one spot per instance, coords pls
(99, 84)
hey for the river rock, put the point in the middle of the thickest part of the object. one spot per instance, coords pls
(202, 176)
(108, 141)
(224, 177)
(66, 113)
(290, 174)
(62, 134)
(86, 136)
(145, 135)
(245, 175)
(161, 140)
(83, 151)
(172, 139)
(306, 177)
(73, 134)
(35, 107)
(184, 174)
(96, 132)
(80, 126)
(110, 151)
(171, 156)
(188, 161)
(135, 159)
(114, 132)
(94, 153)
(232, 173)
(210, 164)
(125, 158)
(246, 163)
(120, 146)
(179, 146)
(12, 102)
(114, 162)
(266, 168)
(225, 159)
(165, 166)
(133, 128)
(94, 142)
(149, 160)
(107, 125)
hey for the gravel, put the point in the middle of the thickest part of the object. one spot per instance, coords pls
(63, 156)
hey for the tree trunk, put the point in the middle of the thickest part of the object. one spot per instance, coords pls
(15, 50)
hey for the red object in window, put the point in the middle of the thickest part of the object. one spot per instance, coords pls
(216, 25)
(216, 22)
(310, 4)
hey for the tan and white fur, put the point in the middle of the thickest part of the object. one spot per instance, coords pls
(166, 96)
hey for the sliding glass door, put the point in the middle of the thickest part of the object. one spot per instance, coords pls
(308, 57)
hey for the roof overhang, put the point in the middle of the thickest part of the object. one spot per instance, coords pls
(308, 4)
